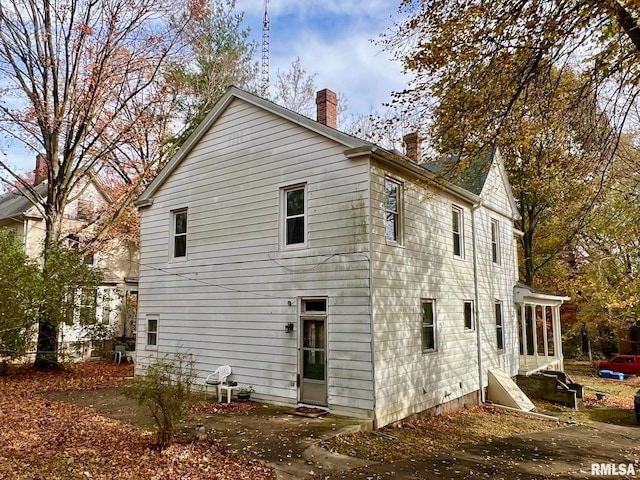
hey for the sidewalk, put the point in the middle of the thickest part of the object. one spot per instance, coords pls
(563, 453)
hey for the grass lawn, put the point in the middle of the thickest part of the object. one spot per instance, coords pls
(41, 438)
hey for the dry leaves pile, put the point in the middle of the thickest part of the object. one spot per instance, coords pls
(43, 439)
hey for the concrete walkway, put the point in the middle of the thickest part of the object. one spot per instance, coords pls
(563, 453)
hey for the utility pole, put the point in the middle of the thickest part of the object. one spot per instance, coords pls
(264, 81)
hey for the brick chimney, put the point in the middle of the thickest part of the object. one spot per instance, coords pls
(413, 145)
(42, 170)
(327, 103)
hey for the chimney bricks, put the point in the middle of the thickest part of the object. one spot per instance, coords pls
(327, 103)
(41, 172)
(413, 144)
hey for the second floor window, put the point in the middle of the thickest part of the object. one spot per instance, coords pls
(495, 241)
(294, 222)
(392, 210)
(456, 225)
(468, 315)
(180, 233)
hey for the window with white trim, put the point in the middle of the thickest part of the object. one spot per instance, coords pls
(295, 221)
(152, 331)
(457, 229)
(468, 315)
(499, 326)
(428, 325)
(179, 233)
(495, 242)
(393, 220)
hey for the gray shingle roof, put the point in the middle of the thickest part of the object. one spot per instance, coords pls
(15, 203)
(469, 174)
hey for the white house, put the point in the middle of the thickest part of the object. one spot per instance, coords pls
(326, 270)
(118, 260)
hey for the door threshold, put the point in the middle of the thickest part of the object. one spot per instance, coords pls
(310, 411)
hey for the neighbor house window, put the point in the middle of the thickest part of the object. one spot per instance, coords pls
(152, 331)
(456, 226)
(179, 233)
(428, 326)
(495, 241)
(295, 216)
(393, 193)
(499, 326)
(106, 306)
(468, 315)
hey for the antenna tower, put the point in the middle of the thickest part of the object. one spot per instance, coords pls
(264, 82)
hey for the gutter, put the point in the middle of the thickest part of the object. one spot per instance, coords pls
(406, 165)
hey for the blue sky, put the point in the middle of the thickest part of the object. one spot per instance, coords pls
(332, 38)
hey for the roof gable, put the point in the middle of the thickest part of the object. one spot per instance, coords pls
(232, 93)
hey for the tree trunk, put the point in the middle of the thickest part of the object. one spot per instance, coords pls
(47, 346)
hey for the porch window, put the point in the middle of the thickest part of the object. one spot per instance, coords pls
(428, 326)
(468, 315)
(495, 242)
(393, 195)
(456, 227)
(294, 201)
(179, 233)
(152, 331)
(499, 326)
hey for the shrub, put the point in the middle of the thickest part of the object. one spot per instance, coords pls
(166, 390)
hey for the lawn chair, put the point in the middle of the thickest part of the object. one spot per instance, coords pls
(119, 353)
(218, 379)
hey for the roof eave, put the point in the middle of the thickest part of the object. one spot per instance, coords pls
(406, 165)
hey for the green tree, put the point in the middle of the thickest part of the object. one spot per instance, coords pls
(19, 287)
(219, 54)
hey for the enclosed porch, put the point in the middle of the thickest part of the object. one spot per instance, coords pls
(539, 329)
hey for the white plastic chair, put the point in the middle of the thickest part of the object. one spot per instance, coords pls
(218, 379)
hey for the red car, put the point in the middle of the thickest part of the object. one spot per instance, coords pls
(627, 364)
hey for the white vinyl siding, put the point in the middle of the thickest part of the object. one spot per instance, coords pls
(231, 305)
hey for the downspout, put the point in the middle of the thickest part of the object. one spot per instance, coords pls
(371, 323)
(477, 299)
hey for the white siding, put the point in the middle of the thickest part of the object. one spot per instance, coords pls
(424, 267)
(229, 301)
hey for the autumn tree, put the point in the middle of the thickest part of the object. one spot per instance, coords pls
(71, 72)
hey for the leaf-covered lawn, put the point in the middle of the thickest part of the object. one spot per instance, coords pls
(44, 439)
(435, 435)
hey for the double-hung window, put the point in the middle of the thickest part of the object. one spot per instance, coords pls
(393, 221)
(495, 242)
(295, 222)
(152, 331)
(456, 228)
(179, 233)
(428, 326)
(499, 326)
(468, 315)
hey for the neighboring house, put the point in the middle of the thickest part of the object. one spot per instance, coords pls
(326, 270)
(117, 260)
